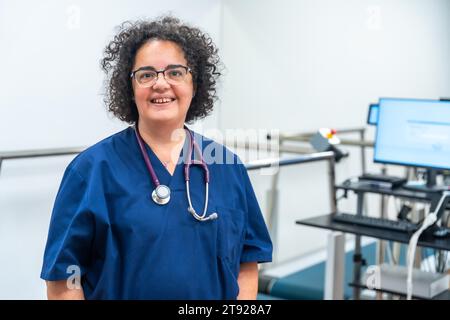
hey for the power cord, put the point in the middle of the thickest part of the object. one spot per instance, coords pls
(428, 221)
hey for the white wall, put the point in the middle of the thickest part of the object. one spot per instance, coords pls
(298, 65)
(50, 85)
(51, 79)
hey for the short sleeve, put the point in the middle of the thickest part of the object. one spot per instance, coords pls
(257, 243)
(71, 230)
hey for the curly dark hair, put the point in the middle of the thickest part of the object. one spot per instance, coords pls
(119, 57)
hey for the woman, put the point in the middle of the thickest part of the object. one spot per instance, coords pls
(131, 219)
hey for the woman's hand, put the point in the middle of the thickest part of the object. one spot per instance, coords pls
(58, 290)
(248, 281)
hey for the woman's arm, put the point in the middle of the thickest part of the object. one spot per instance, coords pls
(248, 281)
(58, 290)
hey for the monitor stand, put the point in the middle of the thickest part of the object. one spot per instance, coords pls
(428, 186)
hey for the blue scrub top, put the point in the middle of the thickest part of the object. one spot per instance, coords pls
(128, 247)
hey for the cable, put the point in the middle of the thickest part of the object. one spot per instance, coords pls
(445, 262)
(424, 264)
(343, 196)
(396, 250)
(430, 260)
(428, 221)
(398, 204)
(389, 253)
(436, 259)
(447, 221)
(437, 256)
(441, 260)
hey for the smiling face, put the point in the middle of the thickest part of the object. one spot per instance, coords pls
(162, 103)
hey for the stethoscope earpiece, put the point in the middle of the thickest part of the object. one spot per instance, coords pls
(212, 216)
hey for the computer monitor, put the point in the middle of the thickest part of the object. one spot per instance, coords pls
(372, 116)
(414, 132)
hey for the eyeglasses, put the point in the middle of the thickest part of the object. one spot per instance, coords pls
(173, 74)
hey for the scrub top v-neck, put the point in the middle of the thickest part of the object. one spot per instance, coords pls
(105, 223)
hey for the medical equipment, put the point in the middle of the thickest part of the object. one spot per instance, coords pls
(430, 219)
(161, 193)
(392, 278)
(326, 140)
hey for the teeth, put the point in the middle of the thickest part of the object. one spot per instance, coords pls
(162, 100)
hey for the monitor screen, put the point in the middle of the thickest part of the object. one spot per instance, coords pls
(372, 117)
(413, 132)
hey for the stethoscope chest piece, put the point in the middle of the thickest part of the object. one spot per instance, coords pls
(161, 195)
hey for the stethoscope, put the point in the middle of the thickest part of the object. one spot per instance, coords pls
(161, 194)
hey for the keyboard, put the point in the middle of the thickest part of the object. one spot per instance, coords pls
(399, 225)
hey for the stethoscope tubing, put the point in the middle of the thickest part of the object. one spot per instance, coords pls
(193, 147)
(146, 159)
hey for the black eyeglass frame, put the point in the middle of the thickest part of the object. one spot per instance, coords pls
(169, 67)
